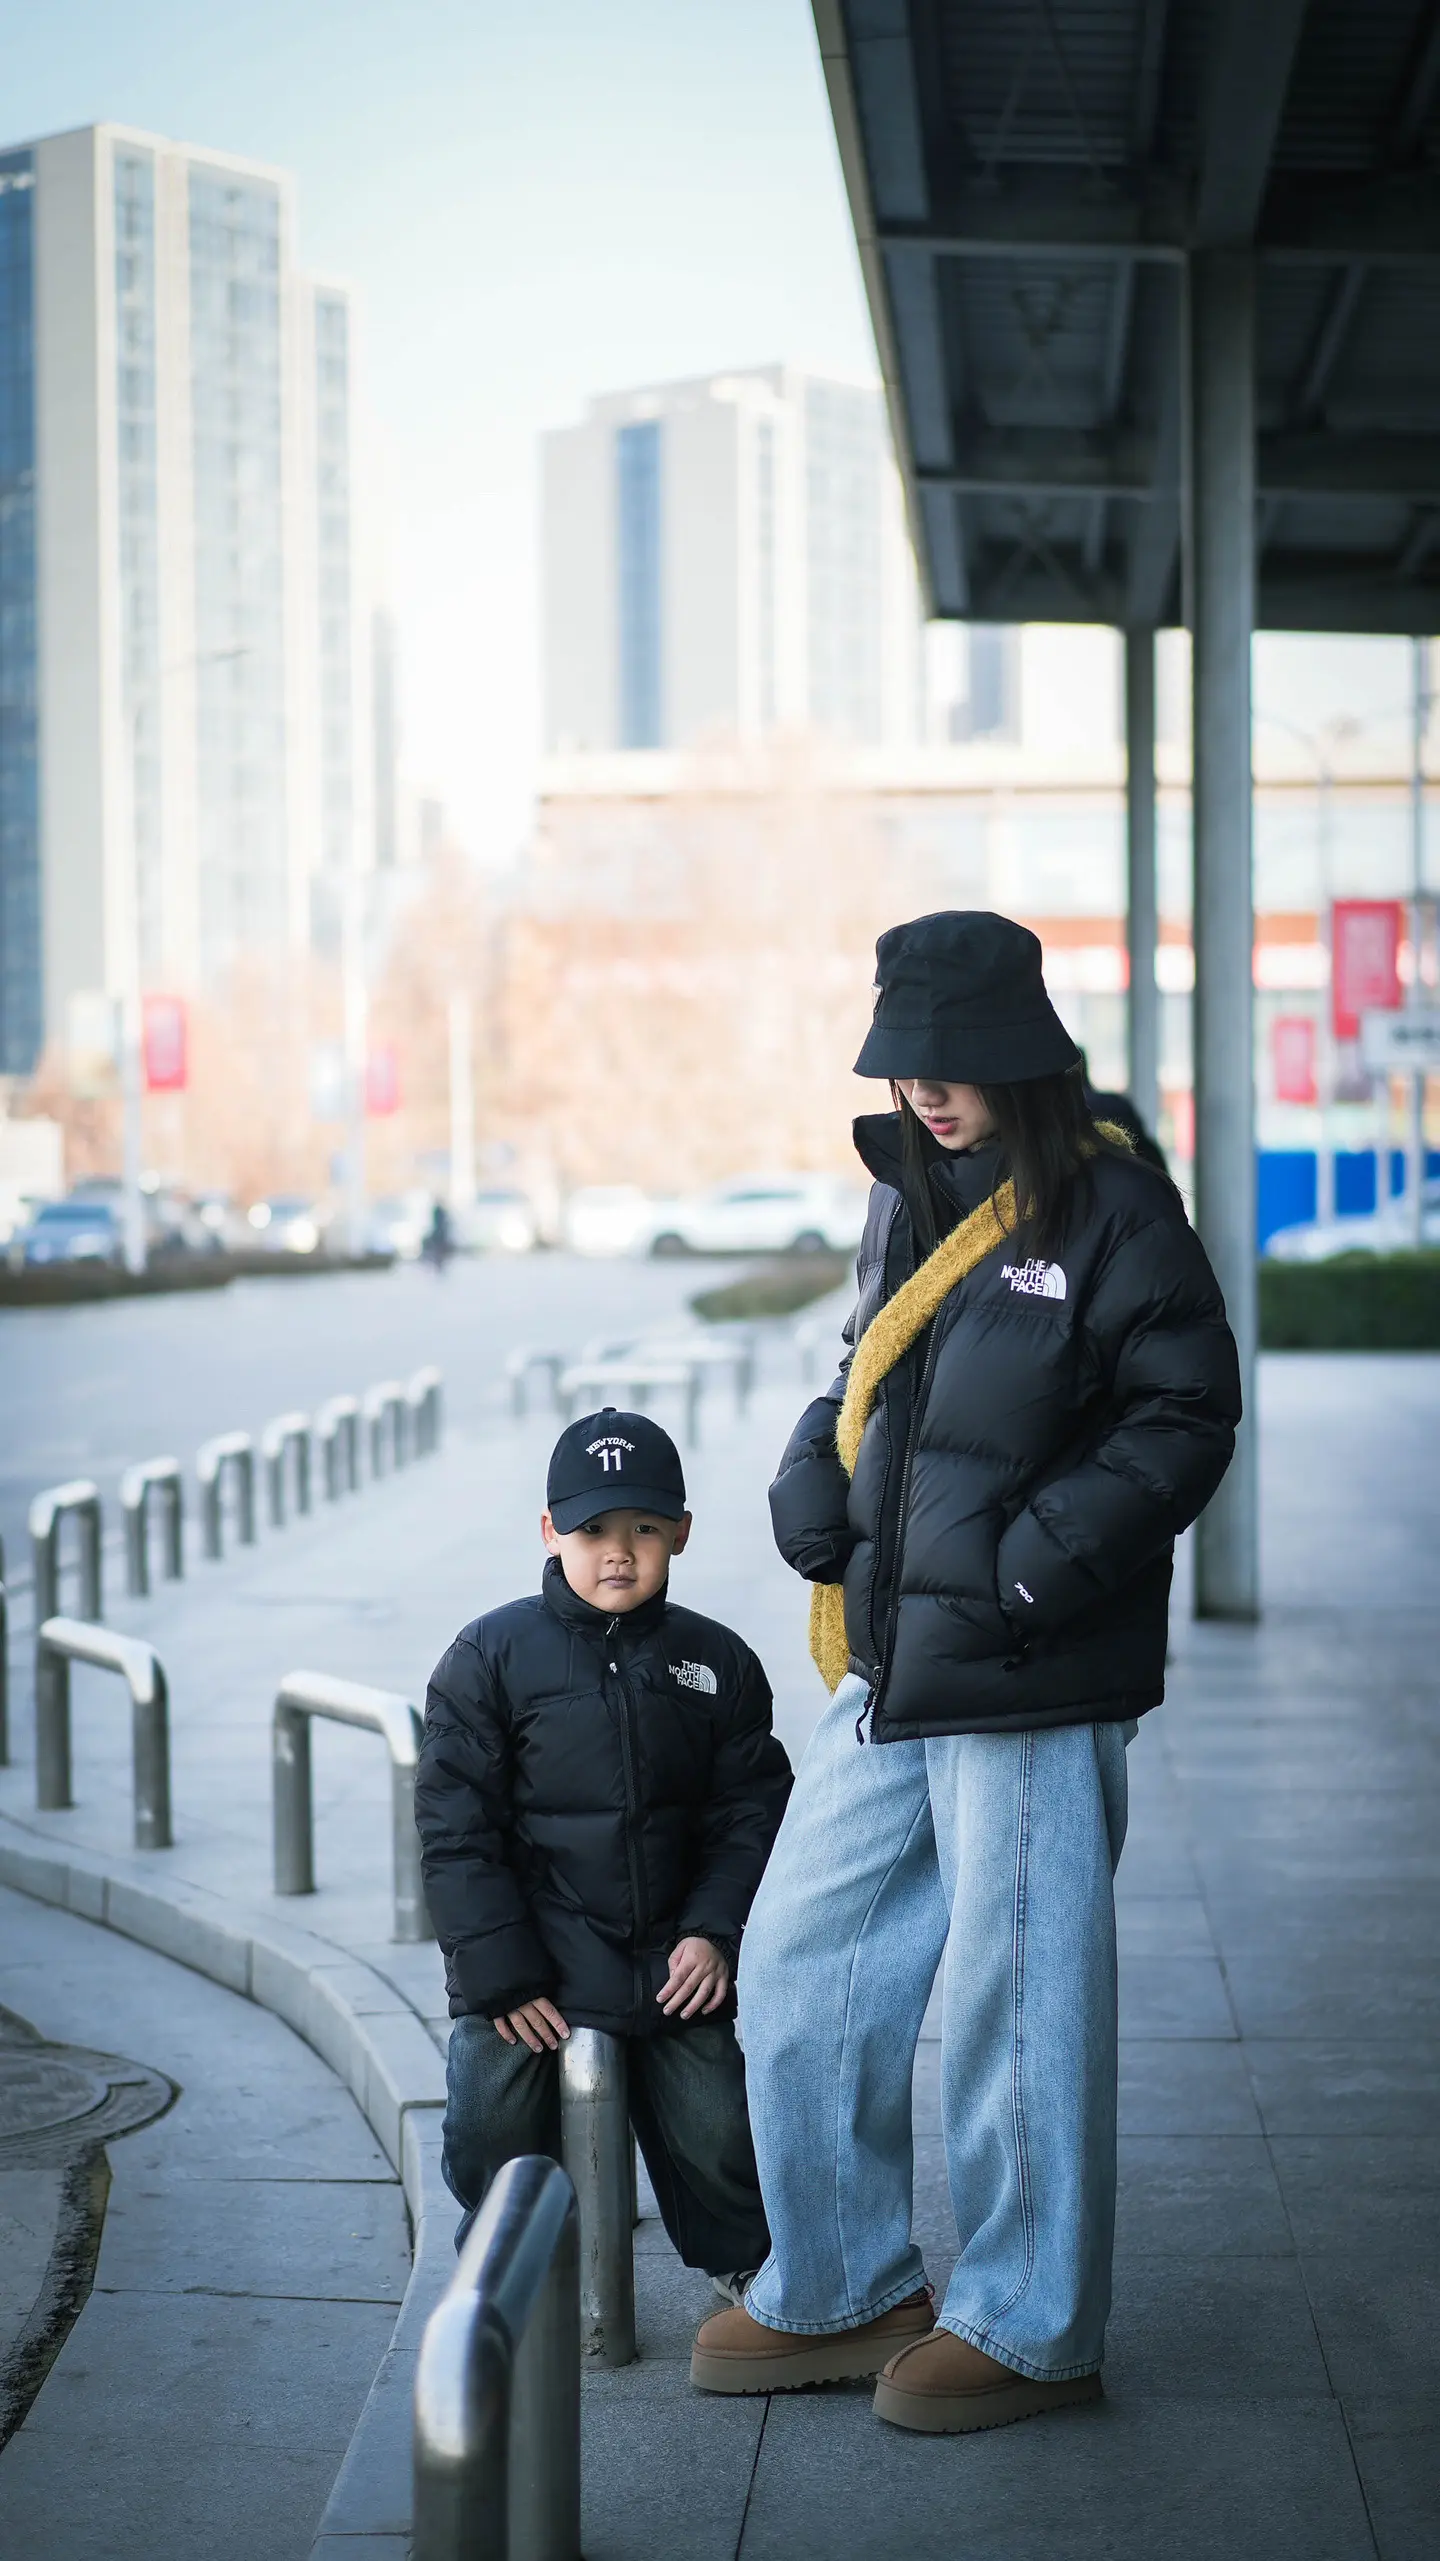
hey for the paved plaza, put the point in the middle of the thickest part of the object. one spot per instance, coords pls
(1272, 2372)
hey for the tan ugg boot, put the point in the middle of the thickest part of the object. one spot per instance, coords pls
(734, 2353)
(944, 2387)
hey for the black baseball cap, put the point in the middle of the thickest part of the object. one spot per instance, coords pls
(612, 1462)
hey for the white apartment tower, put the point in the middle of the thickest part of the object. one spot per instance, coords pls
(728, 556)
(184, 727)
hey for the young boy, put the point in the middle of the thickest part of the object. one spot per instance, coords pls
(598, 1792)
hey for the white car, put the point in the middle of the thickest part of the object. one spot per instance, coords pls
(767, 1214)
(610, 1218)
(1390, 1230)
(497, 1222)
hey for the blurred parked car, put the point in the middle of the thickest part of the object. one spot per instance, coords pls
(612, 1218)
(72, 1231)
(497, 1222)
(1390, 1230)
(766, 1214)
(286, 1224)
(223, 1221)
(398, 1225)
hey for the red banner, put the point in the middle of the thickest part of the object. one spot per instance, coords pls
(164, 1043)
(382, 1081)
(1293, 1050)
(1364, 961)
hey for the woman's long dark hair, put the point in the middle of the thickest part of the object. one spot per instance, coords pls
(1046, 1138)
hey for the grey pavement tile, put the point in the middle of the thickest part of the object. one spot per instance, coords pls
(1394, 2443)
(1173, 1996)
(1130, 2479)
(1179, 2085)
(1355, 2191)
(1377, 2311)
(1333, 2085)
(1200, 2195)
(301, 2237)
(306, 2134)
(664, 2470)
(242, 2411)
(1292, 1985)
(1162, 1925)
(1213, 2329)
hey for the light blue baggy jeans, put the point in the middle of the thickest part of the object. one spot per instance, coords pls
(995, 1853)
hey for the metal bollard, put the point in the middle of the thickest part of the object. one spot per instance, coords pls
(517, 1372)
(80, 1500)
(284, 1433)
(595, 2148)
(301, 1697)
(383, 1407)
(4, 1663)
(58, 1643)
(497, 2384)
(422, 1402)
(337, 1429)
(159, 1476)
(235, 1451)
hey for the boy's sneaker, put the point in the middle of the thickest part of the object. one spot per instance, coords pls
(732, 2289)
(733, 2353)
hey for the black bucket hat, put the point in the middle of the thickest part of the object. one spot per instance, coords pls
(960, 997)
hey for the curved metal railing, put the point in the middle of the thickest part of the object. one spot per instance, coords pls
(301, 1697)
(497, 2383)
(233, 1452)
(159, 1477)
(58, 1643)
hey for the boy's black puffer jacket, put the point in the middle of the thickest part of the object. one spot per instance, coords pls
(591, 1790)
(1006, 1542)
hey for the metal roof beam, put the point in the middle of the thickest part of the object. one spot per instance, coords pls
(1416, 92)
(1420, 541)
(1065, 462)
(1330, 337)
(1329, 220)
(1247, 73)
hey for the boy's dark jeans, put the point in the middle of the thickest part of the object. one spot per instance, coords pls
(687, 2105)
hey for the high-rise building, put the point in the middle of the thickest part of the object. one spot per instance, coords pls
(728, 555)
(184, 693)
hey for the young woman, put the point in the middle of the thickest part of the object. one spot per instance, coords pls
(1041, 1392)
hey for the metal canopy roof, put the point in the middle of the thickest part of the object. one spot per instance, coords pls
(1028, 178)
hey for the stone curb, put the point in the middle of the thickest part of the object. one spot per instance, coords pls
(372, 2040)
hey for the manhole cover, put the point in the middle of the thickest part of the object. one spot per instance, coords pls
(57, 2100)
(39, 2090)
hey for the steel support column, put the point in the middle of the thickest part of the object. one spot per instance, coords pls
(1222, 585)
(1142, 927)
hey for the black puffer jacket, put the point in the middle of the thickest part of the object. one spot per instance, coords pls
(1006, 1543)
(591, 1790)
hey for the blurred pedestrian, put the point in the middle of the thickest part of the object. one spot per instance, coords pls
(439, 1242)
(1041, 1391)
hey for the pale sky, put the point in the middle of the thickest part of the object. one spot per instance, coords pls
(534, 200)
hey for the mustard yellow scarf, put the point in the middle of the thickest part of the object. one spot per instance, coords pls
(886, 1340)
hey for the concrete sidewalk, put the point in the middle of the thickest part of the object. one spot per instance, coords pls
(1272, 2365)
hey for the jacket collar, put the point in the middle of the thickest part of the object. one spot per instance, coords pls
(588, 1621)
(959, 1182)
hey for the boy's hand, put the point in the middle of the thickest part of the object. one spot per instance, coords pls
(537, 2024)
(698, 1980)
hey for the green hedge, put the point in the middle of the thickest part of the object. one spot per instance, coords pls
(775, 1288)
(1354, 1303)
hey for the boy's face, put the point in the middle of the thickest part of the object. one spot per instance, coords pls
(619, 1559)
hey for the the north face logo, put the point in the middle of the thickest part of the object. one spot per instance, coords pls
(695, 1676)
(1035, 1279)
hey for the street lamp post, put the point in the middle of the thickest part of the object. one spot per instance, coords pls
(1419, 718)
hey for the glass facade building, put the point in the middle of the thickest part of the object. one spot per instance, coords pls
(844, 455)
(334, 571)
(136, 414)
(236, 408)
(21, 1004)
(638, 464)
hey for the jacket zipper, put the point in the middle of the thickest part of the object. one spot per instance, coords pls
(629, 1755)
(878, 1691)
